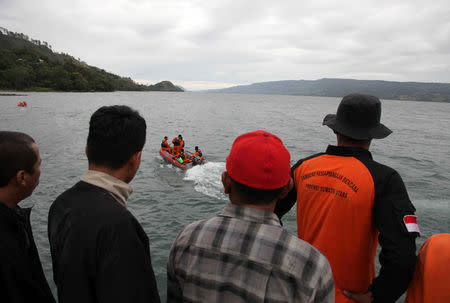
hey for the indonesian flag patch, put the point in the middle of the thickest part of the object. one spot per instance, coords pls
(411, 223)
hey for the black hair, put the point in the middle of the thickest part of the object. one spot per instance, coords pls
(16, 154)
(256, 196)
(115, 134)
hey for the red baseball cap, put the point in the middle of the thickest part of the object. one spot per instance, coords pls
(259, 159)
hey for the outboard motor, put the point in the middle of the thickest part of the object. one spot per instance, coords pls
(196, 160)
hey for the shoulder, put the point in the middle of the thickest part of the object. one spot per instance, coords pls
(89, 203)
(83, 194)
(80, 190)
(301, 161)
(377, 168)
(387, 181)
(191, 232)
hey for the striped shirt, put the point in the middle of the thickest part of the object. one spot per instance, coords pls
(244, 255)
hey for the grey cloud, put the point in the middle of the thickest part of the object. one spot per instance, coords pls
(245, 41)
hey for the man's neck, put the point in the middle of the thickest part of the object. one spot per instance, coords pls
(8, 197)
(343, 143)
(117, 173)
(268, 207)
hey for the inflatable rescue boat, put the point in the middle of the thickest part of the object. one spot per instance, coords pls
(171, 159)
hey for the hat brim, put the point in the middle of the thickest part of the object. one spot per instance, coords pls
(378, 132)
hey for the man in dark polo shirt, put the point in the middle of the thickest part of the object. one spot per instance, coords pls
(100, 252)
(22, 279)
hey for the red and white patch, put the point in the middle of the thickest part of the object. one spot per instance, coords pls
(411, 223)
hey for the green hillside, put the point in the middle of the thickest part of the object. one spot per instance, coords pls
(28, 66)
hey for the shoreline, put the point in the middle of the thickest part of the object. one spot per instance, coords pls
(11, 94)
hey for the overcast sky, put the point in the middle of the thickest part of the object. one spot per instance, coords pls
(214, 44)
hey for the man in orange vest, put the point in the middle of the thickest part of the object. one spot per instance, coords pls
(198, 153)
(165, 145)
(431, 282)
(176, 145)
(180, 137)
(346, 202)
(183, 156)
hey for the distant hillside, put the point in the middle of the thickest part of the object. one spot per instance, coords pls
(438, 92)
(165, 86)
(31, 65)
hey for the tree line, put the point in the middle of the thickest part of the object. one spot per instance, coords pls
(28, 69)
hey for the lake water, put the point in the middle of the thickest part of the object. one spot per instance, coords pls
(165, 199)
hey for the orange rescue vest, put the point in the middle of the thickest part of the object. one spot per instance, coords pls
(431, 280)
(335, 196)
(165, 144)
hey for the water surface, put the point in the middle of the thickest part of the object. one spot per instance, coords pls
(165, 198)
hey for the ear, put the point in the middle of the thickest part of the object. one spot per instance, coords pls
(20, 178)
(138, 156)
(136, 159)
(287, 189)
(226, 181)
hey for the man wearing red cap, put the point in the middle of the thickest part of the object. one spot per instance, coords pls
(243, 254)
(346, 202)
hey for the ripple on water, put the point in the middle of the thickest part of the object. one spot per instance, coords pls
(165, 199)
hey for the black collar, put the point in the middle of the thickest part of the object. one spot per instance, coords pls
(347, 151)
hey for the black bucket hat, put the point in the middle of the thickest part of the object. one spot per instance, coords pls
(358, 117)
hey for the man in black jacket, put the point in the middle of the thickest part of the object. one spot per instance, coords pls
(21, 276)
(100, 252)
(346, 200)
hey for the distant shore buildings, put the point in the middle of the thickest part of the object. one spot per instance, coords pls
(6, 32)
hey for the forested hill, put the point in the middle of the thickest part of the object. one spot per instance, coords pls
(31, 65)
(438, 92)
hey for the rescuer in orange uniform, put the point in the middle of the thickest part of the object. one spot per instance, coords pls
(181, 141)
(176, 145)
(183, 156)
(431, 282)
(165, 145)
(346, 202)
(198, 153)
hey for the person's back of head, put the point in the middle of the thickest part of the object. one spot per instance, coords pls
(357, 121)
(116, 133)
(258, 169)
(20, 161)
(16, 153)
